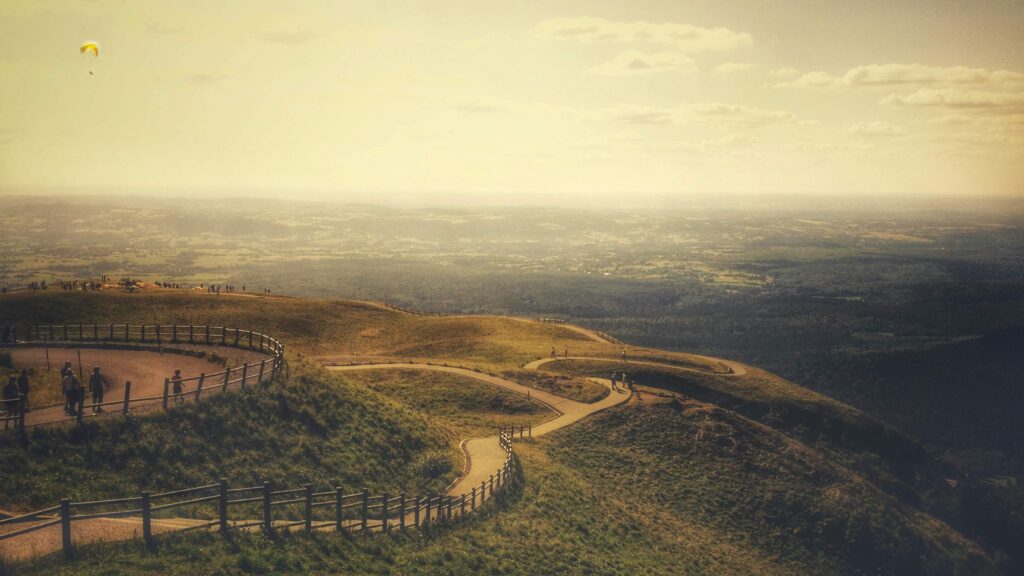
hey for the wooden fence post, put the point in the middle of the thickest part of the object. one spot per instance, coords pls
(223, 335)
(462, 505)
(81, 333)
(483, 491)
(199, 386)
(309, 507)
(174, 333)
(65, 529)
(227, 376)
(157, 329)
(245, 369)
(472, 501)
(65, 331)
(366, 508)
(268, 519)
(236, 337)
(22, 405)
(426, 515)
(262, 336)
(339, 508)
(384, 513)
(530, 430)
(147, 520)
(191, 334)
(111, 333)
(127, 330)
(260, 380)
(250, 339)
(222, 505)
(207, 334)
(416, 511)
(401, 511)
(167, 384)
(492, 486)
(127, 396)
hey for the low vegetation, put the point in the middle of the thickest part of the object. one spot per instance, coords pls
(311, 427)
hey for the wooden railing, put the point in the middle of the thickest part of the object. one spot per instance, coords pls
(547, 320)
(267, 507)
(195, 387)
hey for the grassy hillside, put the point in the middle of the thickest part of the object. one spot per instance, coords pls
(312, 427)
(656, 488)
(711, 474)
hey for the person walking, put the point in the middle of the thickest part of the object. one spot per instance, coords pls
(63, 379)
(76, 394)
(624, 356)
(615, 375)
(178, 387)
(23, 386)
(553, 355)
(97, 384)
(11, 401)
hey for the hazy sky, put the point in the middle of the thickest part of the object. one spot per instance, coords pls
(359, 100)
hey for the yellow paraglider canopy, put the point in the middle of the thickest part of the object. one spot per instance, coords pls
(90, 47)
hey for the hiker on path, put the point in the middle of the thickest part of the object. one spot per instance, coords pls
(553, 355)
(11, 400)
(614, 377)
(178, 387)
(63, 379)
(74, 391)
(624, 356)
(97, 384)
(23, 386)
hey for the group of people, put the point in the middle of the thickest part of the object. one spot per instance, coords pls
(13, 392)
(565, 352)
(74, 391)
(624, 380)
(83, 285)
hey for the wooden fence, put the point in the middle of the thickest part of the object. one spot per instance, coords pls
(391, 306)
(218, 506)
(252, 373)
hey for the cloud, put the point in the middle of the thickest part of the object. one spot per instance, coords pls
(715, 113)
(1008, 102)
(785, 73)
(683, 37)
(875, 129)
(735, 67)
(287, 38)
(910, 76)
(634, 63)
(204, 79)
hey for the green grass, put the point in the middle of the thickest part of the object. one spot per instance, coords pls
(313, 427)
(672, 488)
(571, 387)
(465, 406)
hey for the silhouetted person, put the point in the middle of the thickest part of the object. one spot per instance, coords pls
(624, 356)
(97, 384)
(64, 381)
(23, 386)
(11, 400)
(74, 391)
(565, 352)
(178, 386)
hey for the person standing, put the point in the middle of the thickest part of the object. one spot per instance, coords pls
(11, 401)
(178, 386)
(74, 391)
(614, 377)
(64, 384)
(23, 386)
(97, 384)
(553, 355)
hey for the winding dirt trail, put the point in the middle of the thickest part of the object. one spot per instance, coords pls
(485, 455)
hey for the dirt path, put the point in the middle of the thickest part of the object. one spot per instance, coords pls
(736, 369)
(145, 370)
(485, 454)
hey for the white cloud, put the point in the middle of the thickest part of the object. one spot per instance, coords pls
(875, 129)
(715, 113)
(785, 73)
(683, 37)
(734, 67)
(634, 62)
(909, 75)
(1008, 102)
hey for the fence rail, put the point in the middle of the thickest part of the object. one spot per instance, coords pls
(193, 387)
(358, 512)
(391, 306)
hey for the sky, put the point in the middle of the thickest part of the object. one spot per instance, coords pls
(583, 101)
